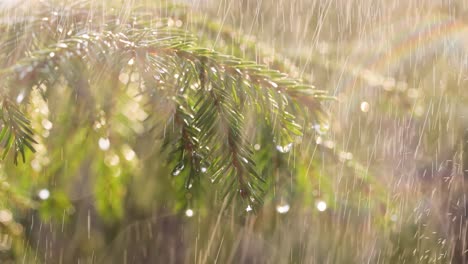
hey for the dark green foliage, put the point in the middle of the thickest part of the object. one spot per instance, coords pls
(212, 95)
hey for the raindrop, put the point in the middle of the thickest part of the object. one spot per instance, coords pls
(329, 144)
(112, 160)
(62, 45)
(282, 208)
(285, 148)
(321, 129)
(203, 169)
(47, 124)
(189, 212)
(365, 107)
(104, 143)
(178, 169)
(321, 206)
(129, 154)
(36, 165)
(20, 97)
(319, 140)
(43, 194)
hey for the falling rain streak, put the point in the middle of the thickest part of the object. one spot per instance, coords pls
(205, 131)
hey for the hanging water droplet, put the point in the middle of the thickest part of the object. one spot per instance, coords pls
(365, 107)
(47, 124)
(321, 129)
(319, 140)
(20, 97)
(329, 144)
(104, 143)
(178, 169)
(129, 154)
(282, 208)
(43, 194)
(285, 148)
(321, 206)
(189, 212)
(62, 45)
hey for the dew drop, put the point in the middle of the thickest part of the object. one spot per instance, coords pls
(365, 107)
(20, 97)
(285, 148)
(282, 208)
(321, 206)
(129, 154)
(43, 194)
(47, 124)
(104, 143)
(178, 169)
(321, 129)
(189, 212)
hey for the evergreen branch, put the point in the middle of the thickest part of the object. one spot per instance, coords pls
(16, 132)
(168, 59)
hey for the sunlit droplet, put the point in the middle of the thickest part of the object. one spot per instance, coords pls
(129, 155)
(257, 147)
(52, 54)
(321, 206)
(282, 208)
(365, 107)
(329, 144)
(189, 212)
(43, 194)
(285, 148)
(47, 124)
(321, 129)
(319, 140)
(104, 143)
(203, 169)
(20, 97)
(36, 165)
(178, 169)
(112, 160)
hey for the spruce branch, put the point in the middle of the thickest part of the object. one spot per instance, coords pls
(211, 91)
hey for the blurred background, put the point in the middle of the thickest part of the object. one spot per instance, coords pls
(382, 181)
